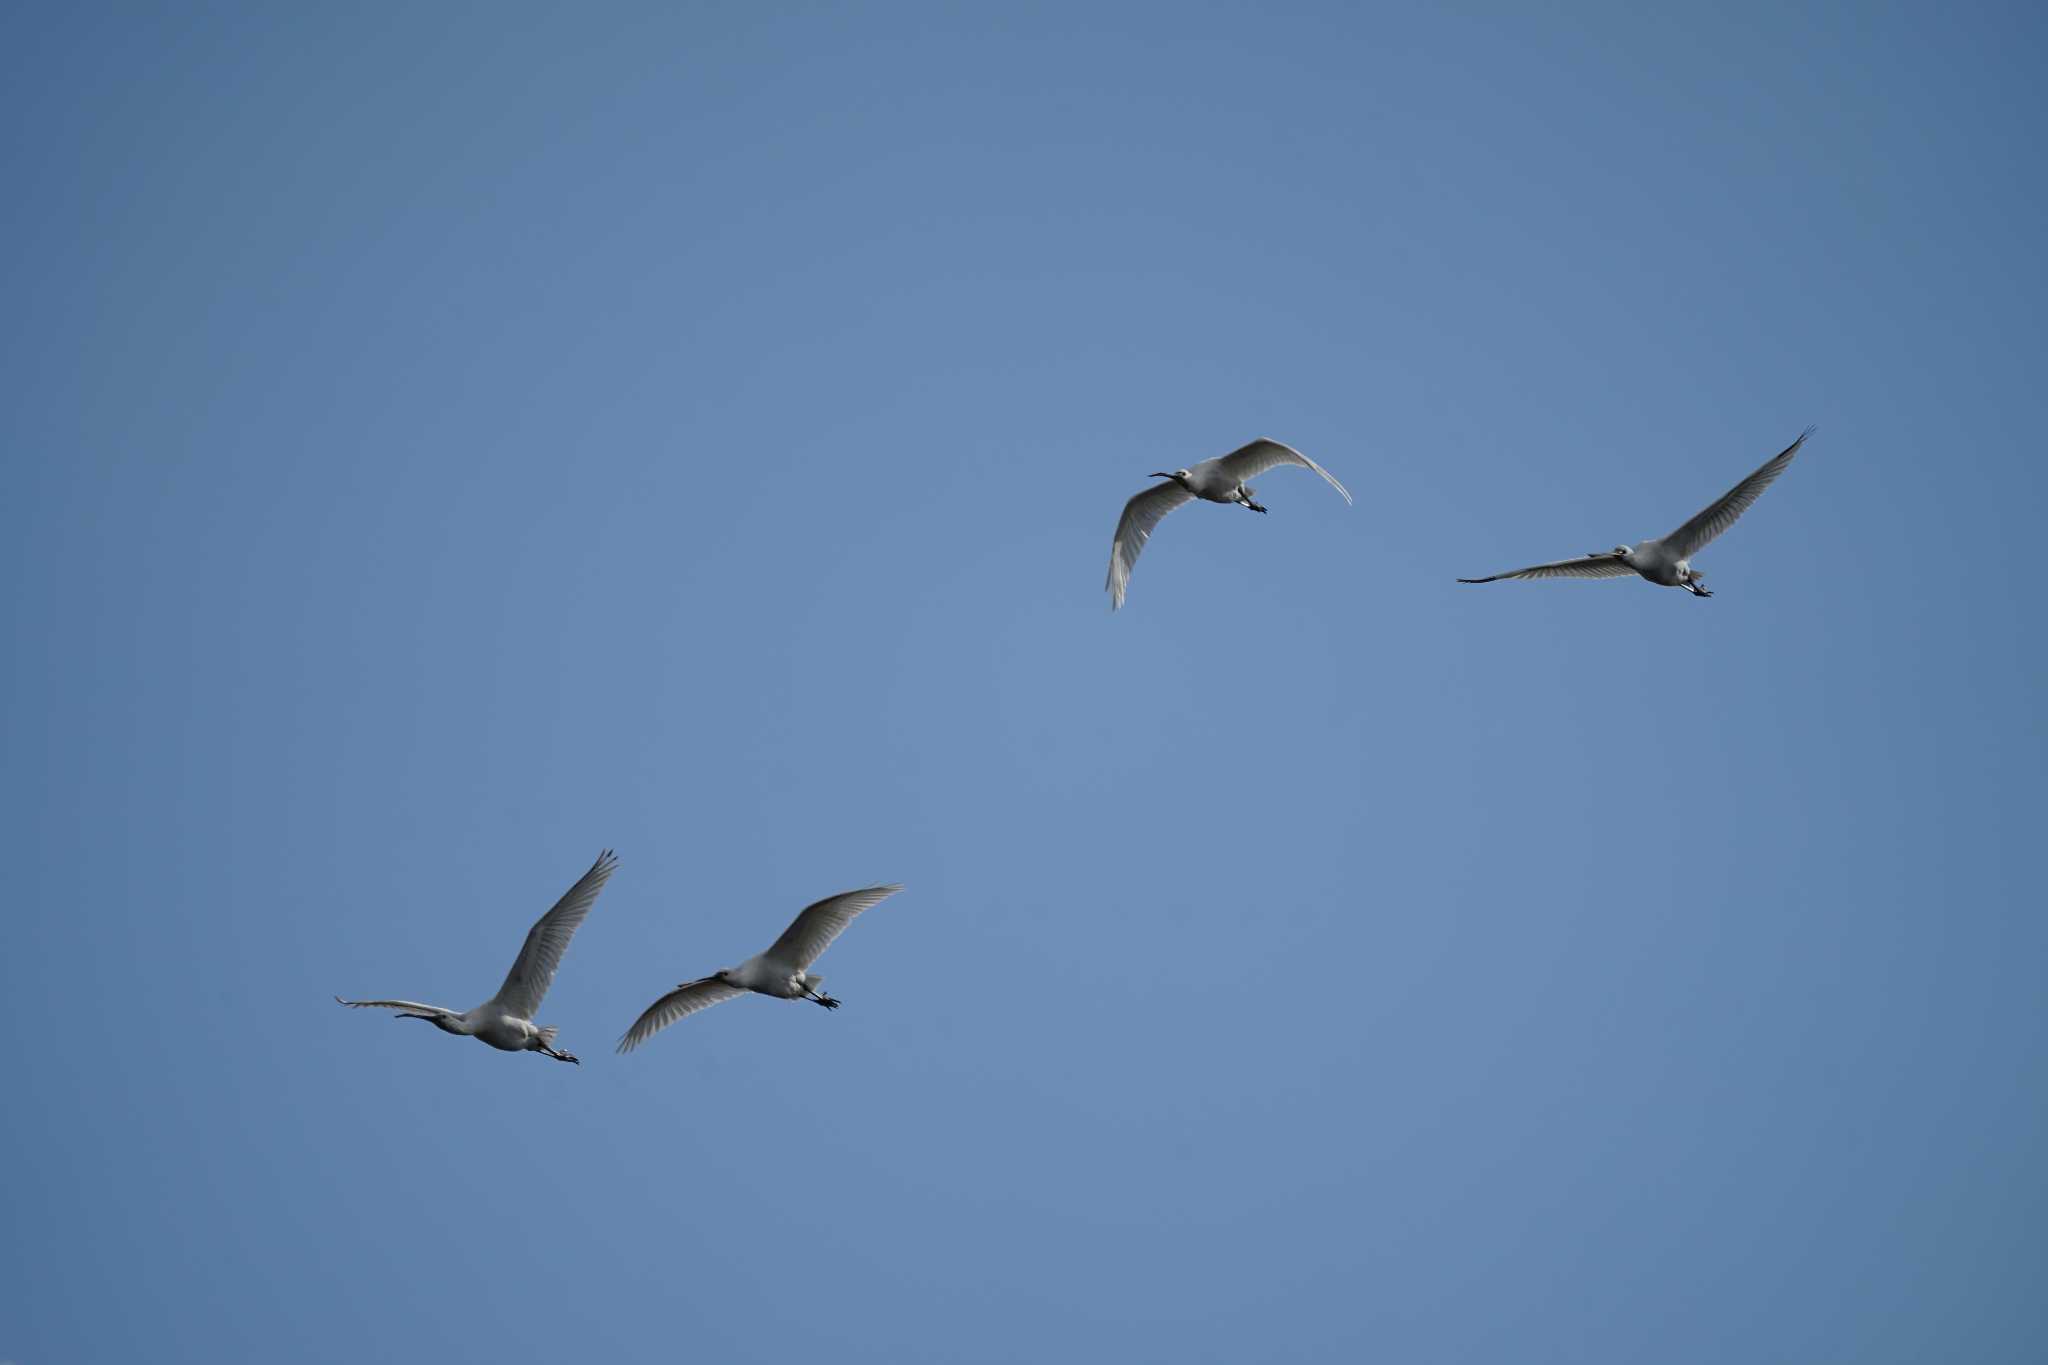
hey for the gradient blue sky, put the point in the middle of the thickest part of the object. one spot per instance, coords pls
(444, 441)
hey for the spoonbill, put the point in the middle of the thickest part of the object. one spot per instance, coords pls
(505, 1021)
(1668, 562)
(1219, 480)
(783, 971)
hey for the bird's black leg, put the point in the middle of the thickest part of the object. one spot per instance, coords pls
(827, 1001)
(1254, 506)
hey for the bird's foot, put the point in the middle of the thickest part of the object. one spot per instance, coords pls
(827, 1001)
(564, 1057)
(1254, 506)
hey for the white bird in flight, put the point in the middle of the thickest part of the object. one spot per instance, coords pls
(1668, 562)
(783, 971)
(1219, 480)
(505, 1021)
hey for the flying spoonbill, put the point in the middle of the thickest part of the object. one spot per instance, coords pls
(1668, 562)
(1219, 480)
(783, 971)
(505, 1021)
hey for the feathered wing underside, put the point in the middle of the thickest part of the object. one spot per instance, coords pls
(680, 1003)
(1689, 539)
(528, 981)
(1587, 566)
(1133, 529)
(413, 1005)
(814, 929)
(1249, 461)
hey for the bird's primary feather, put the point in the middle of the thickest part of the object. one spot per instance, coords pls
(679, 1003)
(412, 1005)
(534, 971)
(812, 932)
(1133, 529)
(1588, 566)
(1699, 532)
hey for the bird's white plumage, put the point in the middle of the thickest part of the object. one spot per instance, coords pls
(812, 932)
(1699, 532)
(534, 971)
(679, 1003)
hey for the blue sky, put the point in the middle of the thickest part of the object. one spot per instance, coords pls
(447, 441)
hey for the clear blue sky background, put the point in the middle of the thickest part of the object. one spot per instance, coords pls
(444, 441)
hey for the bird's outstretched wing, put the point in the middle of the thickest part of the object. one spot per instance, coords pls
(679, 1003)
(1587, 566)
(1141, 514)
(1689, 539)
(813, 931)
(412, 1005)
(528, 981)
(1248, 462)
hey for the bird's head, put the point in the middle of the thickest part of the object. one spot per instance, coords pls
(1619, 552)
(723, 975)
(1178, 475)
